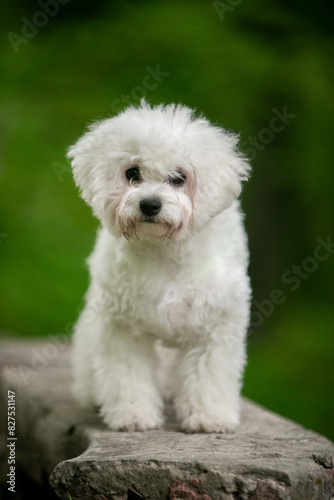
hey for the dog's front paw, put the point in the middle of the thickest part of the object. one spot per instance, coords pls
(131, 419)
(219, 423)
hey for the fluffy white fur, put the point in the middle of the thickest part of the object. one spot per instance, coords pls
(177, 277)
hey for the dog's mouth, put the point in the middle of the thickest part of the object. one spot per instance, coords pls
(150, 220)
(155, 228)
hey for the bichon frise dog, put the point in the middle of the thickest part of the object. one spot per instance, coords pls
(169, 267)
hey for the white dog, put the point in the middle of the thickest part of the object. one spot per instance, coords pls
(169, 267)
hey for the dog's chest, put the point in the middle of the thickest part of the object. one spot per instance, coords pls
(137, 288)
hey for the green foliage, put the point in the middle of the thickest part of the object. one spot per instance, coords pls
(238, 65)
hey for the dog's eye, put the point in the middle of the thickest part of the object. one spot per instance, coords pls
(133, 174)
(178, 179)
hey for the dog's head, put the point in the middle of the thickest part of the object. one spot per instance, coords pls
(157, 172)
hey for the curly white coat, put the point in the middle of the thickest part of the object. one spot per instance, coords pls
(175, 278)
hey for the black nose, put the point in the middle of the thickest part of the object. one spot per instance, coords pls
(150, 206)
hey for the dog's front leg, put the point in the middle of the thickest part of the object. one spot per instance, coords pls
(208, 318)
(209, 381)
(125, 384)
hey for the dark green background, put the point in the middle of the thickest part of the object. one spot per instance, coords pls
(237, 67)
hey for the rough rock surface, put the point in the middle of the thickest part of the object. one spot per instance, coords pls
(269, 457)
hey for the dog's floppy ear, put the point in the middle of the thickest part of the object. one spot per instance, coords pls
(220, 172)
(233, 165)
(85, 160)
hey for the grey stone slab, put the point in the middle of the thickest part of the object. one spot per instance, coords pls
(268, 457)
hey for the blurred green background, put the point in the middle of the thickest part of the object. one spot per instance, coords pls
(240, 63)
